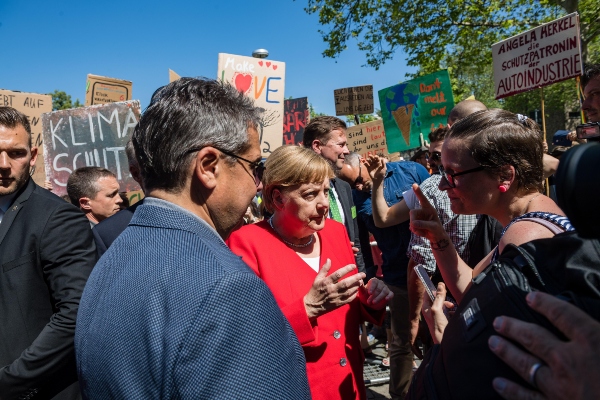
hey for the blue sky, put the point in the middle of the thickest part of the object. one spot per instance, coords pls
(54, 44)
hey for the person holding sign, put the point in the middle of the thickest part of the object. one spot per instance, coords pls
(491, 164)
(306, 260)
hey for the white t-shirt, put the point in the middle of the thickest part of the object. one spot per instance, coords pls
(312, 262)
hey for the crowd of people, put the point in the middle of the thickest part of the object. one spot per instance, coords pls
(238, 278)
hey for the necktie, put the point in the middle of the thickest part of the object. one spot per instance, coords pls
(333, 207)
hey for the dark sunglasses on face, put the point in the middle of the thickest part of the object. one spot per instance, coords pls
(435, 156)
(258, 167)
(450, 177)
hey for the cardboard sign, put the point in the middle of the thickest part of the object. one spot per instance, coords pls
(89, 136)
(263, 81)
(103, 90)
(417, 106)
(173, 76)
(295, 118)
(367, 139)
(33, 105)
(354, 100)
(541, 56)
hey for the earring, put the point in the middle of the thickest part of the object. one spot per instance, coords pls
(502, 189)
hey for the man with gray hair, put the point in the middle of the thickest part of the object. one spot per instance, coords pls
(204, 325)
(95, 191)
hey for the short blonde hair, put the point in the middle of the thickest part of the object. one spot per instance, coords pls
(292, 165)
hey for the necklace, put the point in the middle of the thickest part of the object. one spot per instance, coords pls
(289, 243)
(530, 200)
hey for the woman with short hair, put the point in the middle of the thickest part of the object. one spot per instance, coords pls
(491, 164)
(307, 261)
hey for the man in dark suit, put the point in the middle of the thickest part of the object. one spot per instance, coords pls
(326, 136)
(108, 230)
(47, 253)
(169, 311)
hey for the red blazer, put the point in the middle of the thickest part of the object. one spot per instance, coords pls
(334, 360)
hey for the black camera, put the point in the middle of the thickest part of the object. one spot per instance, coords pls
(588, 131)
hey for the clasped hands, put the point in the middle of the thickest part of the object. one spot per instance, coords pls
(330, 292)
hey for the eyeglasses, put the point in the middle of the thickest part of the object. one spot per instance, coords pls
(258, 167)
(435, 156)
(450, 177)
(359, 178)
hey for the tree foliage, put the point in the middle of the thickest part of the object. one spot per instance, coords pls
(62, 101)
(433, 32)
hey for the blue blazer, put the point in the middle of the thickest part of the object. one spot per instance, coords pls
(170, 312)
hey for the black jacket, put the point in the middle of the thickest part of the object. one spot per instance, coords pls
(47, 253)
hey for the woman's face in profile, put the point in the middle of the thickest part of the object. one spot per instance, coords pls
(472, 192)
(305, 207)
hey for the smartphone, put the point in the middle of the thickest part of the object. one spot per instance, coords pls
(424, 277)
(589, 130)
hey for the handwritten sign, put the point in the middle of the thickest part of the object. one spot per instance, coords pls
(33, 105)
(367, 139)
(263, 81)
(417, 106)
(354, 100)
(541, 56)
(295, 118)
(173, 76)
(103, 90)
(89, 136)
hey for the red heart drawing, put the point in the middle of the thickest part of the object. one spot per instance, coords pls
(242, 82)
(268, 64)
(274, 67)
(260, 63)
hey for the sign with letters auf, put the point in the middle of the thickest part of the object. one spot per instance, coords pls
(263, 81)
(415, 107)
(33, 105)
(354, 100)
(541, 56)
(89, 136)
(102, 90)
(367, 139)
(173, 76)
(295, 118)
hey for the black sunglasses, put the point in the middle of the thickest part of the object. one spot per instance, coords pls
(450, 177)
(435, 156)
(258, 167)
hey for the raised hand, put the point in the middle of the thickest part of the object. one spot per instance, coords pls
(376, 167)
(425, 222)
(375, 294)
(330, 292)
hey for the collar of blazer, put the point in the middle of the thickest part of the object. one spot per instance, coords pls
(16, 206)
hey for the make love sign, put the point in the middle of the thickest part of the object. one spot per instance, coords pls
(263, 81)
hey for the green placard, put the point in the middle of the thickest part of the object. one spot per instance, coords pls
(413, 107)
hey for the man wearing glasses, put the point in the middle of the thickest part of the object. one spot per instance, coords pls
(170, 311)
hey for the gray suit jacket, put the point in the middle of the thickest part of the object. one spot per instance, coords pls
(171, 312)
(47, 253)
(344, 192)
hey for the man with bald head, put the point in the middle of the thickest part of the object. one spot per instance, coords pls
(463, 109)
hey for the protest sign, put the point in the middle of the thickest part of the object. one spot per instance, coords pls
(33, 105)
(354, 100)
(367, 139)
(173, 76)
(417, 106)
(89, 136)
(295, 118)
(541, 56)
(263, 81)
(102, 90)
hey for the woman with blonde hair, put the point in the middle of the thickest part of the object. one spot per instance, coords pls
(307, 262)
